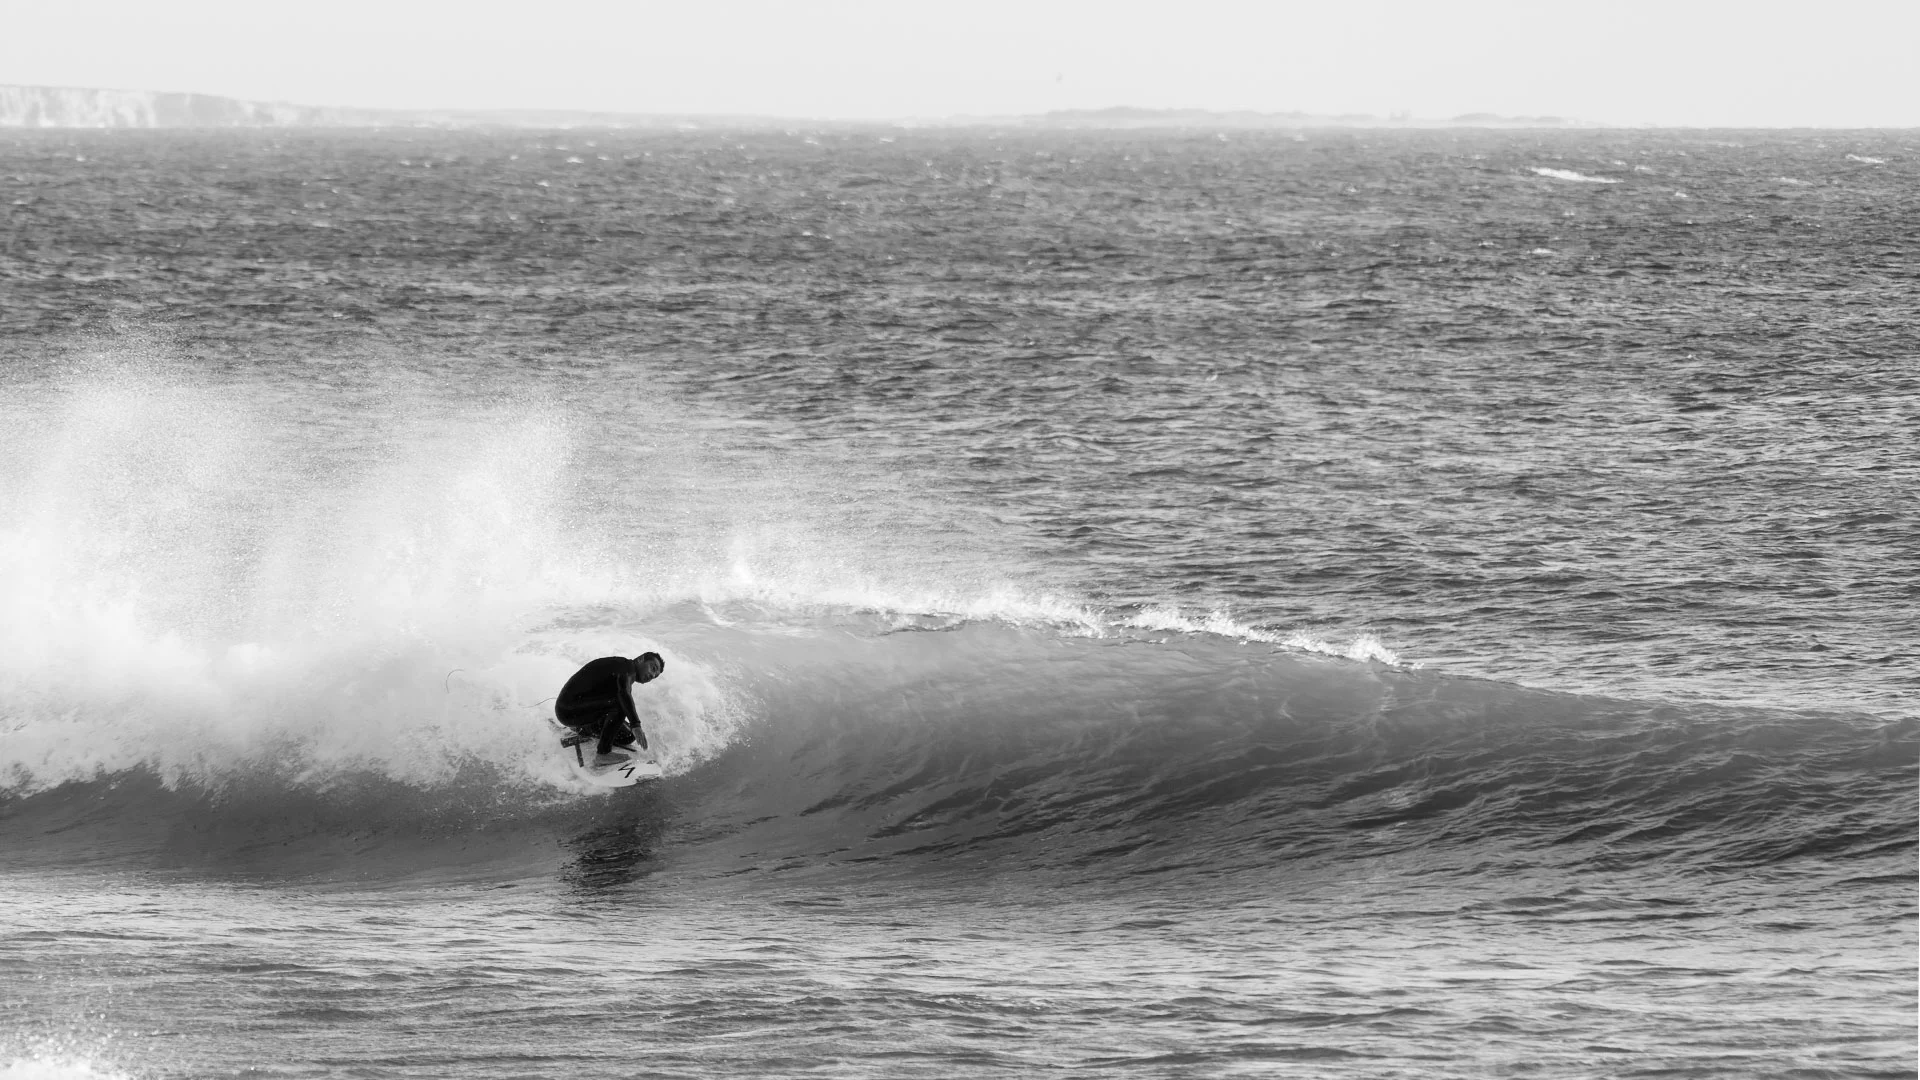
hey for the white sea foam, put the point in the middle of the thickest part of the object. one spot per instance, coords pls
(1569, 174)
(1865, 160)
(59, 1067)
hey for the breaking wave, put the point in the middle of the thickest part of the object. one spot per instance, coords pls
(215, 648)
(861, 736)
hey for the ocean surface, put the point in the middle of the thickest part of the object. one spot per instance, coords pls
(1335, 604)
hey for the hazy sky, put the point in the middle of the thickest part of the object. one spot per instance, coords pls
(1836, 62)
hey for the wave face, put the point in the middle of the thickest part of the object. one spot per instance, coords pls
(1206, 753)
(851, 737)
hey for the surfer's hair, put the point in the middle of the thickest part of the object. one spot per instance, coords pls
(649, 666)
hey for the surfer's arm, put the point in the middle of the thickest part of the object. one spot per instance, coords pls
(631, 711)
(624, 695)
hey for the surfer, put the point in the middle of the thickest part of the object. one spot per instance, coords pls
(598, 699)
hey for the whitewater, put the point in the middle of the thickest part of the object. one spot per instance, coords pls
(1133, 604)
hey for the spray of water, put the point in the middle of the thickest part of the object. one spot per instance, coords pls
(195, 576)
(299, 575)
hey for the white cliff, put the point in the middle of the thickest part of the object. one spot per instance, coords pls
(75, 107)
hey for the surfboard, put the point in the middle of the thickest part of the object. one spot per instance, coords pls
(625, 767)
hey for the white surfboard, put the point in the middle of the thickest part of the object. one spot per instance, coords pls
(625, 767)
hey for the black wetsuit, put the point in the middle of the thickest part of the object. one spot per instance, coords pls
(598, 700)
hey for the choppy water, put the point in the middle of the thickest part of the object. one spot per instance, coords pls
(1419, 604)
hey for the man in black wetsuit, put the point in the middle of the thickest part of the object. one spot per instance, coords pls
(598, 700)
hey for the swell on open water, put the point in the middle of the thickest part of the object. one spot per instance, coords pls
(1418, 604)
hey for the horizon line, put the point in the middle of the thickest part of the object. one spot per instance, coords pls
(1118, 114)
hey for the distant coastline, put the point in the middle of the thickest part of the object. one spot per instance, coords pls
(60, 107)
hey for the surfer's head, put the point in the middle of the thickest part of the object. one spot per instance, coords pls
(648, 666)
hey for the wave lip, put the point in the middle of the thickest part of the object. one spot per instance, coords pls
(1363, 646)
